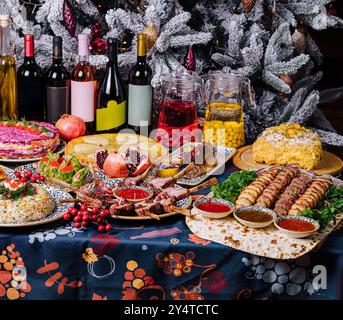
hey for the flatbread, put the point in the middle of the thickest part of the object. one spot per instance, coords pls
(267, 242)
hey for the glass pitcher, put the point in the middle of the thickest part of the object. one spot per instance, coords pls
(224, 117)
(178, 112)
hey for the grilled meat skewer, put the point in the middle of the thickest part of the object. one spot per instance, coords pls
(311, 196)
(82, 195)
(294, 190)
(163, 202)
(251, 192)
(281, 181)
(161, 183)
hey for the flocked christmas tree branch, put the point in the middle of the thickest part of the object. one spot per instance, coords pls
(269, 41)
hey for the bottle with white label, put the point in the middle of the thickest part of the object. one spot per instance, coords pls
(140, 91)
(82, 86)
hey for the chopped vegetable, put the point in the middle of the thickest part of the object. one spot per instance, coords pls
(233, 185)
(67, 169)
(79, 177)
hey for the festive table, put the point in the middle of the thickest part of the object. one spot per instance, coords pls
(154, 260)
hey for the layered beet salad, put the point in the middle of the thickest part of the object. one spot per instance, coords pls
(27, 139)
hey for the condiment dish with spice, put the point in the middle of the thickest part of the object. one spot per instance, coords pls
(297, 226)
(255, 217)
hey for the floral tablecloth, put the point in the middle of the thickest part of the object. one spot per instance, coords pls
(155, 260)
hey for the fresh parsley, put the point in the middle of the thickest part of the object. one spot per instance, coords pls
(328, 207)
(233, 185)
(27, 190)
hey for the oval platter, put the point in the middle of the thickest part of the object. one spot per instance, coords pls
(34, 168)
(59, 150)
(85, 147)
(57, 195)
(182, 204)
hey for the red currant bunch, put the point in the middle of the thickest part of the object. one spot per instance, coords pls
(29, 176)
(83, 216)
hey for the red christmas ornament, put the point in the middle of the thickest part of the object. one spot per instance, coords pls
(69, 17)
(331, 10)
(98, 45)
(189, 61)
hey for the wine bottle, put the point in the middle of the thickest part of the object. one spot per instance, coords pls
(82, 86)
(58, 84)
(31, 85)
(8, 90)
(140, 91)
(111, 102)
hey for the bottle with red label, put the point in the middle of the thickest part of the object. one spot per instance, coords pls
(82, 86)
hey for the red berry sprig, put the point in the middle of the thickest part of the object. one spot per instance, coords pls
(84, 216)
(29, 176)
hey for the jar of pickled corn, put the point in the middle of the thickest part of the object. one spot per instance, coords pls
(224, 117)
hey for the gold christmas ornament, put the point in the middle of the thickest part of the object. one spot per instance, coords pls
(299, 40)
(288, 79)
(151, 35)
(248, 5)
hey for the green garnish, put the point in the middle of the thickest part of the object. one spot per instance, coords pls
(27, 190)
(231, 188)
(328, 207)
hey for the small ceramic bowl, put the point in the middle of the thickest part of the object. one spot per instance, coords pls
(254, 224)
(149, 193)
(297, 234)
(217, 215)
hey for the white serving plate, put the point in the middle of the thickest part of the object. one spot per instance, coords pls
(60, 149)
(225, 153)
(57, 194)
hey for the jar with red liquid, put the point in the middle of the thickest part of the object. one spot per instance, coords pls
(177, 120)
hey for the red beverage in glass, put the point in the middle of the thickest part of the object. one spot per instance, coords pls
(178, 119)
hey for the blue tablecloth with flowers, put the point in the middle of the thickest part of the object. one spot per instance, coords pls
(155, 260)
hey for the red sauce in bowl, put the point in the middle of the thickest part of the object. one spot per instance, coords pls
(215, 207)
(296, 225)
(133, 194)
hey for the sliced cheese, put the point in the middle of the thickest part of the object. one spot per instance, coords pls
(81, 147)
(99, 140)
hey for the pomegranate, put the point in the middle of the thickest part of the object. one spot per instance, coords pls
(136, 161)
(100, 157)
(70, 127)
(115, 166)
(143, 165)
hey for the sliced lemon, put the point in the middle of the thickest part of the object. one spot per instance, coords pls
(169, 172)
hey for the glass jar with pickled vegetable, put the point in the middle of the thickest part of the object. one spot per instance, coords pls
(224, 117)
